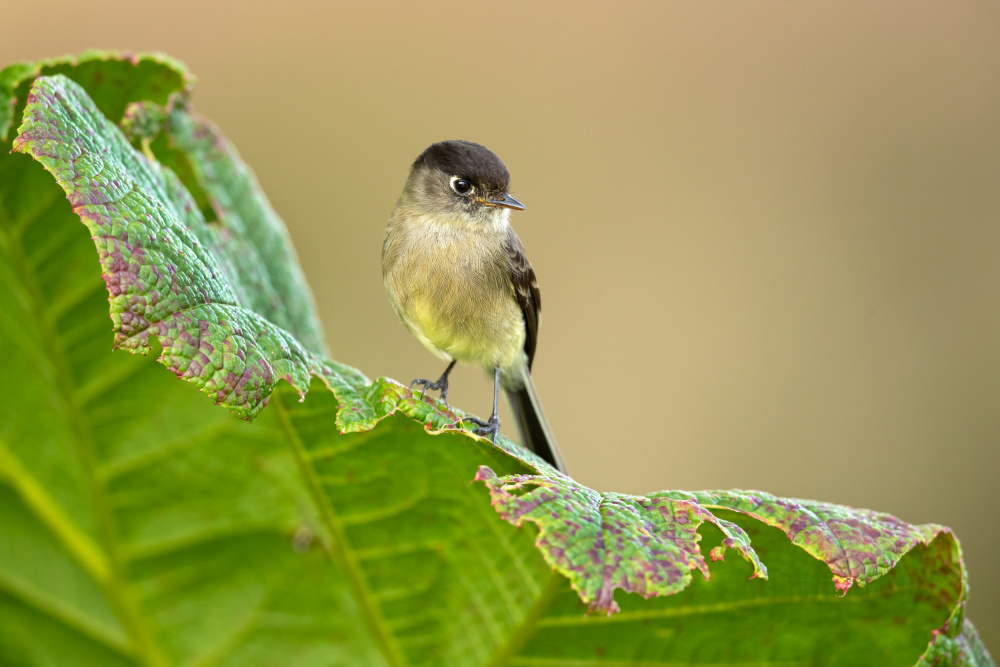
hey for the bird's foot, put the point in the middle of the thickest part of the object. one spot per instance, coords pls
(440, 384)
(487, 429)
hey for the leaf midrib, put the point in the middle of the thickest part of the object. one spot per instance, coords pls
(336, 544)
(51, 514)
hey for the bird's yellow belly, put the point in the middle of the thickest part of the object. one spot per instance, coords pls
(466, 318)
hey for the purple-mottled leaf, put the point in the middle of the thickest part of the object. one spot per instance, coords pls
(649, 545)
(169, 273)
(608, 541)
(858, 545)
(956, 644)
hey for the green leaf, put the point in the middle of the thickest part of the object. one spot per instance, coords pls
(592, 538)
(115, 79)
(141, 525)
(169, 274)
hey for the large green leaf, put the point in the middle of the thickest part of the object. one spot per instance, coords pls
(139, 524)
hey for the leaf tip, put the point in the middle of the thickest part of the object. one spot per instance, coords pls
(604, 604)
(842, 584)
(484, 474)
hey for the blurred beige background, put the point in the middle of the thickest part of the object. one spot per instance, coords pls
(767, 233)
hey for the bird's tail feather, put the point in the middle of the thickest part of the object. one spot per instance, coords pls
(535, 432)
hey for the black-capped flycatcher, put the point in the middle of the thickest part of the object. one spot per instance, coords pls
(458, 278)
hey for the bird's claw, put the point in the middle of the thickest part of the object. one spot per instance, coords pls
(487, 429)
(441, 384)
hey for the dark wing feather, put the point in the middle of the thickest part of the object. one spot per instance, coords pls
(522, 277)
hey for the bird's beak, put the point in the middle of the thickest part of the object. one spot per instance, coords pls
(505, 202)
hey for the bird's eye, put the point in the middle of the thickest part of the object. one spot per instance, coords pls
(461, 186)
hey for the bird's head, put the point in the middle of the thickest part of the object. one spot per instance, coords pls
(461, 178)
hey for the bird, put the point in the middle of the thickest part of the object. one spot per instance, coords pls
(458, 278)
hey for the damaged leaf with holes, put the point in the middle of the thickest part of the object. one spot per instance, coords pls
(142, 525)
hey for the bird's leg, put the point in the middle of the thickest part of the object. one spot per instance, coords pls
(441, 383)
(491, 427)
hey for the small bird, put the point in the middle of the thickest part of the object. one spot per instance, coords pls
(457, 276)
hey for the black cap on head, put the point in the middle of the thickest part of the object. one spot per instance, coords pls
(468, 160)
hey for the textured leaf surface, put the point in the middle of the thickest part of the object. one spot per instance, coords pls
(261, 262)
(581, 535)
(140, 525)
(169, 274)
(604, 541)
(858, 545)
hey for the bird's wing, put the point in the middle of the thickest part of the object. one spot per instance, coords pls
(522, 277)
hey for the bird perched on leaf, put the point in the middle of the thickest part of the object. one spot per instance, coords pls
(458, 277)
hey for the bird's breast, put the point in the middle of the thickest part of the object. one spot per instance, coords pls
(451, 287)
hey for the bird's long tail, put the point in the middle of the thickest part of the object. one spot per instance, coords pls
(535, 432)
